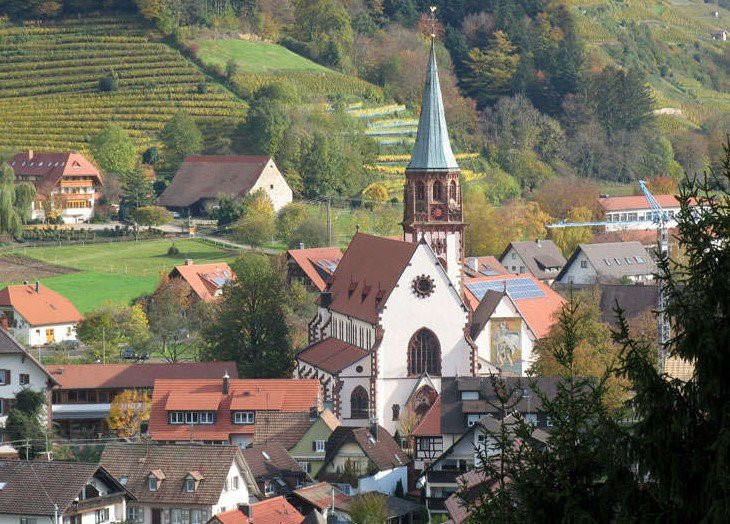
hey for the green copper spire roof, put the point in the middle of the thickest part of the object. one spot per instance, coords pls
(432, 150)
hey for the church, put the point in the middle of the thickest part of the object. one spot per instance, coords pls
(395, 317)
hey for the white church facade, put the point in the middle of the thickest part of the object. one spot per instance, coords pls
(395, 316)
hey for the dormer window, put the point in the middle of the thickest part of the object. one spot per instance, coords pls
(154, 479)
(469, 395)
(244, 417)
(192, 480)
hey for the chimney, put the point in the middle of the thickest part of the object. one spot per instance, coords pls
(247, 510)
(537, 241)
(313, 413)
(301, 245)
(188, 261)
(374, 428)
(30, 154)
(37, 287)
(226, 383)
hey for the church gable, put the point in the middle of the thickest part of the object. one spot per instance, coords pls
(424, 316)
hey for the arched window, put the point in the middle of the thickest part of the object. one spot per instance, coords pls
(420, 191)
(438, 191)
(452, 190)
(424, 353)
(359, 403)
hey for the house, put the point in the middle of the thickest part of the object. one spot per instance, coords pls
(226, 410)
(19, 371)
(610, 263)
(312, 266)
(206, 281)
(274, 470)
(67, 184)
(78, 493)
(309, 450)
(636, 209)
(360, 460)
(510, 314)
(179, 482)
(444, 440)
(37, 315)
(442, 478)
(720, 35)
(84, 393)
(541, 258)
(322, 498)
(275, 510)
(487, 265)
(473, 482)
(202, 179)
(428, 442)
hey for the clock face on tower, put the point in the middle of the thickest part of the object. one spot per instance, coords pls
(438, 213)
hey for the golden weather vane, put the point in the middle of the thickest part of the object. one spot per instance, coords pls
(434, 22)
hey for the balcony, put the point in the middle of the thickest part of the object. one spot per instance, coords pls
(436, 504)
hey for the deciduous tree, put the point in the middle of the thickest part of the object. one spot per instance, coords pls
(250, 326)
(151, 216)
(258, 220)
(114, 150)
(129, 410)
(26, 422)
(568, 238)
(182, 137)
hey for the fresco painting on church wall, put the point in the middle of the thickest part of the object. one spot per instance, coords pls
(506, 345)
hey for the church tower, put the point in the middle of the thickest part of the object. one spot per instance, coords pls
(432, 199)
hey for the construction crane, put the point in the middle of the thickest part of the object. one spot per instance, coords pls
(660, 218)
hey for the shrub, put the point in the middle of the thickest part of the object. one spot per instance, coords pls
(202, 88)
(194, 49)
(151, 156)
(173, 251)
(108, 83)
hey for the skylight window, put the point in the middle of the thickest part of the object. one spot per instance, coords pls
(618, 262)
(639, 260)
(607, 261)
(2, 485)
(266, 455)
(371, 439)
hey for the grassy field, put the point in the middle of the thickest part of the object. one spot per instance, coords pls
(49, 74)
(117, 272)
(254, 57)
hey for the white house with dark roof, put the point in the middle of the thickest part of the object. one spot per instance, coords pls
(391, 320)
(70, 492)
(202, 179)
(179, 483)
(541, 258)
(611, 262)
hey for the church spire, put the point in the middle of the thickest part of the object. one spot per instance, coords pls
(432, 151)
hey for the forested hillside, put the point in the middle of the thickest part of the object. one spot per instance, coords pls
(539, 94)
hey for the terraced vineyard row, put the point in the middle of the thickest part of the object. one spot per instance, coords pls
(49, 74)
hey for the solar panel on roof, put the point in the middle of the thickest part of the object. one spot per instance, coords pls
(219, 281)
(518, 288)
(329, 265)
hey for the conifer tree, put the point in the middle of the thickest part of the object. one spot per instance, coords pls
(680, 441)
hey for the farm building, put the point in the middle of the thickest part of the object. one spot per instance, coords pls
(202, 179)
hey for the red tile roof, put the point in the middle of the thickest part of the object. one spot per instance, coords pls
(631, 203)
(331, 355)
(366, 275)
(486, 265)
(285, 395)
(204, 279)
(430, 424)
(539, 313)
(119, 376)
(270, 511)
(51, 167)
(39, 308)
(316, 261)
(207, 176)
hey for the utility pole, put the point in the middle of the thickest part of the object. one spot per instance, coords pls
(329, 220)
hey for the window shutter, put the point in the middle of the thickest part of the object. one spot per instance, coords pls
(7, 376)
(314, 445)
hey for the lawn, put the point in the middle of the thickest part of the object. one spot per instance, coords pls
(255, 57)
(120, 271)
